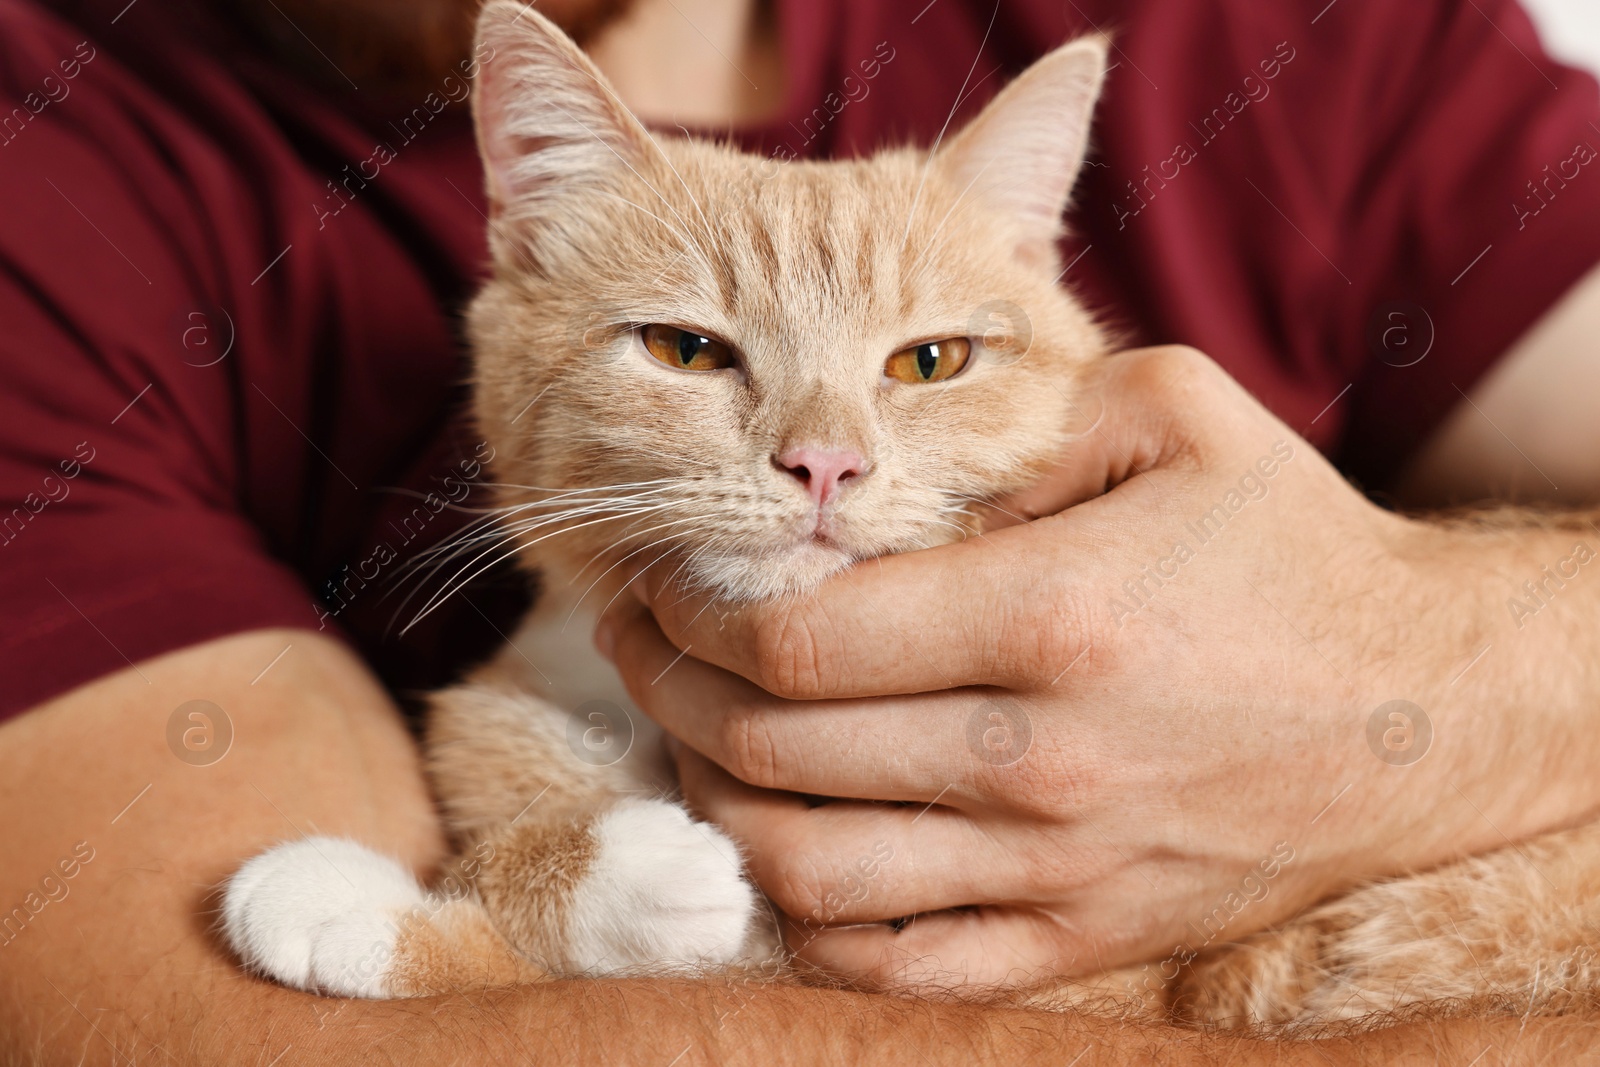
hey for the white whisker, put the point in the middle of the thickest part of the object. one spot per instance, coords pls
(614, 566)
(937, 141)
(457, 582)
(487, 535)
(624, 589)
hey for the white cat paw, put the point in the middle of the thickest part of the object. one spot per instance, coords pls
(662, 890)
(320, 914)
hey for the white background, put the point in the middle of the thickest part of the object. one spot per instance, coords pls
(1570, 28)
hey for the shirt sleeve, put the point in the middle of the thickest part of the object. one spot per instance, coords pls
(121, 534)
(1472, 208)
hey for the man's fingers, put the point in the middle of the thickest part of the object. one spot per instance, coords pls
(988, 946)
(929, 620)
(893, 748)
(846, 861)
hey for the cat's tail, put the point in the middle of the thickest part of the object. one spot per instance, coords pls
(331, 916)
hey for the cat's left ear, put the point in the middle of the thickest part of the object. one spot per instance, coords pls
(1022, 154)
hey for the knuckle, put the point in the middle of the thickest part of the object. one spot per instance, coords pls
(795, 884)
(749, 748)
(1171, 371)
(1052, 785)
(1072, 867)
(1182, 393)
(1044, 633)
(788, 654)
(1061, 774)
(669, 618)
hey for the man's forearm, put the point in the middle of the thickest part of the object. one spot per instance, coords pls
(684, 1022)
(140, 800)
(117, 964)
(1498, 645)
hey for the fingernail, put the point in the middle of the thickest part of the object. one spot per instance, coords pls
(605, 637)
(637, 588)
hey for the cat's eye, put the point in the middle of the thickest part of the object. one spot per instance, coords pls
(685, 349)
(931, 361)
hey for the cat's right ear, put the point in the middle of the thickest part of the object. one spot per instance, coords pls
(549, 124)
(1022, 153)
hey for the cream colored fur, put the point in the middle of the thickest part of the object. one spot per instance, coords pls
(608, 461)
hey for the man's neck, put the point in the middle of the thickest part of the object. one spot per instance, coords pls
(703, 64)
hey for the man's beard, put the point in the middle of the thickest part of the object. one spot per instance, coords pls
(407, 45)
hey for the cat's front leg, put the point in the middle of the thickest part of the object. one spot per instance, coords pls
(589, 870)
(328, 915)
(584, 878)
(636, 885)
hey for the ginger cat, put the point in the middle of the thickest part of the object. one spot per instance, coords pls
(761, 373)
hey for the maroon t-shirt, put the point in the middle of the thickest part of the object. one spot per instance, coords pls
(230, 365)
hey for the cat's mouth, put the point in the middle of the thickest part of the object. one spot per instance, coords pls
(821, 536)
(826, 530)
(817, 544)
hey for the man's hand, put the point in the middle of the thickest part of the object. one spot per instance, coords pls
(1175, 697)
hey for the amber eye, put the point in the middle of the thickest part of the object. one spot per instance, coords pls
(686, 349)
(932, 361)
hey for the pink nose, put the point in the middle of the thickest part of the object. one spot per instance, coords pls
(820, 470)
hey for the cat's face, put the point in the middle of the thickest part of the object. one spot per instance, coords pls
(762, 372)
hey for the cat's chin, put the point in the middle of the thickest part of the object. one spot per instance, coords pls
(790, 572)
